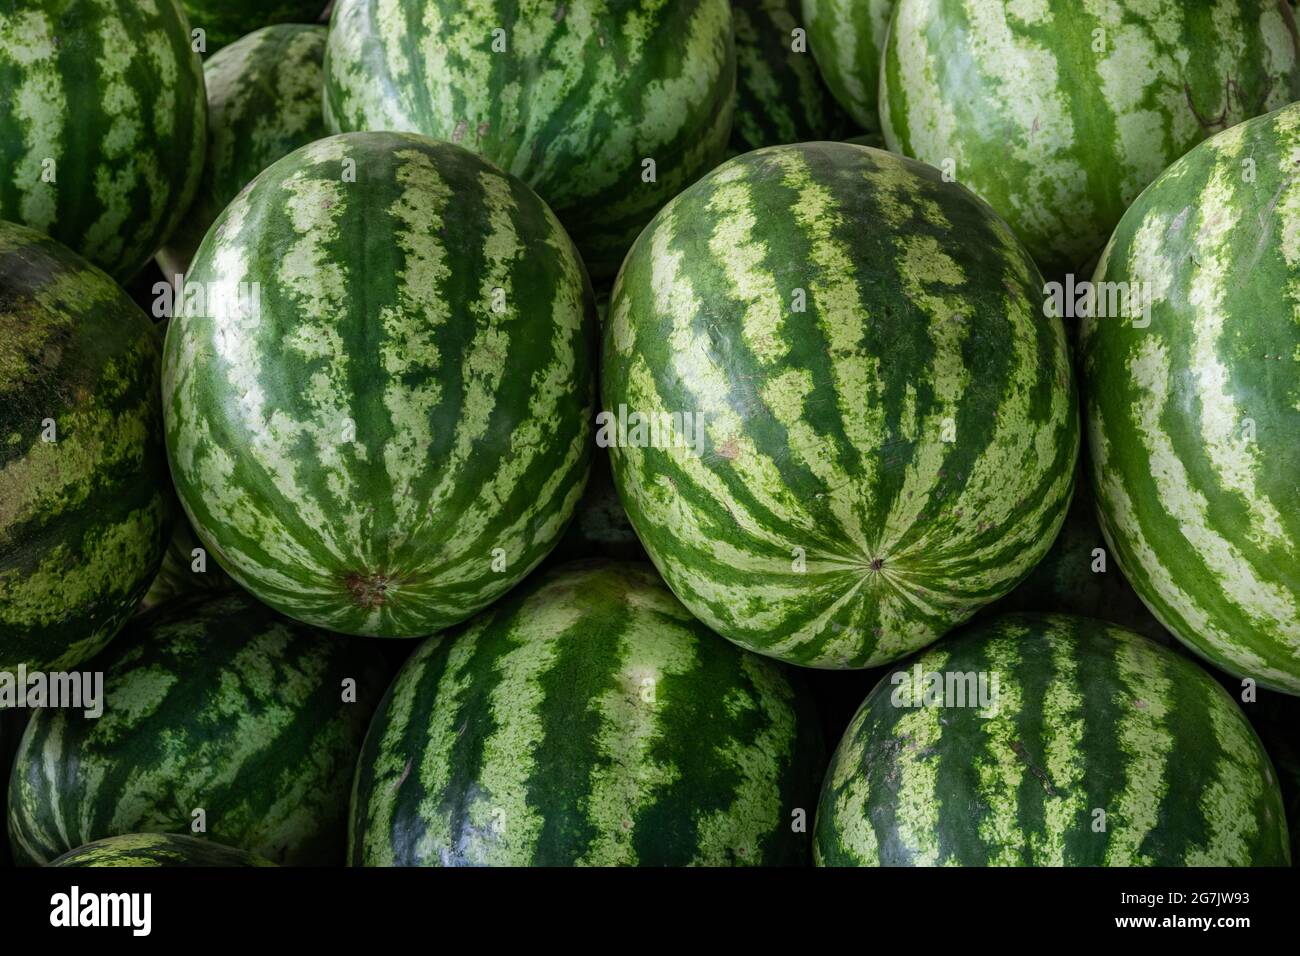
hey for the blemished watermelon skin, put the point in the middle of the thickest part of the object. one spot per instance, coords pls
(572, 98)
(157, 850)
(212, 703)
(1193, 419)
(102, 124)
(227, 21)
(83, 512)
(1099, 748)
(264, 101)
(846, 37)
(889, 423)
(1060, 113)
(780, 95)
(587, 719)
(402, 430)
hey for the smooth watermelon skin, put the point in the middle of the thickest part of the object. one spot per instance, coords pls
(470, 427)
(1089, 717)
(157, 850)
(227, 21)
(1276, 717)
(584, 92)
(84, 518)
(1058, 138)
(587, 719)
(211, 702)
(825, 430)
(177, 575)
(102, 124)
(264, 101)
(780, 95)
(846, 37)
(600, 527)
(1202, 519)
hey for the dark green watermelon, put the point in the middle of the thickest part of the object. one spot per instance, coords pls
(157, 849)
(225, 21)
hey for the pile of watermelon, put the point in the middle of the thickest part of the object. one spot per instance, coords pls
(757, 433)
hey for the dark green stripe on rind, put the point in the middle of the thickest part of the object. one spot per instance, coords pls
(1102, 749)
(157, 849)
(404, 430)
(586, 719)
(102, 124)
(576, 102)
(215, 704)
(83, 517)
(225, 21)
(846, 37)
(873, 468)
(1193, 420)
(1059, 113)
(264, 101)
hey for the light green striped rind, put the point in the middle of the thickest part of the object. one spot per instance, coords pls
(874, 467)
(226, 21)
(102, 124)
(580, 98)
(1102, 749)
(403, 429)
(264, 101)
(83, 517)
(846, 38)
(1193, 422)
(1059, 112)
(587, 719)
(157, 850)
(212, 703)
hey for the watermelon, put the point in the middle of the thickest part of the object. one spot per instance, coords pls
(1276, 717)
(213, 703)
(157, 849)
(226, 21)
(846, 37)
(102, 124)
(883, 426)
(586, 719)
(600, 527)
(83, 512)
(607, 110)
(780, 96)
(1050, 740)
(264, 101)
(1059, 113)
(392, 424)
(186, 568)
(1193, 406)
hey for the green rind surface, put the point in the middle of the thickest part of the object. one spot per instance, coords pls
(1103, 749)
(587, 719)
(157, 850)
(874, 468)
(227, 21)
(846, 37)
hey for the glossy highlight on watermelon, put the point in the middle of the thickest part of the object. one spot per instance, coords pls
(573, 98)
(102, 124)
(588, 718)
(83, 512)
(1059, 113)
(214, 704)
(888, 424)
(397, 428)
(264, 101)
(1193, 418)
(226, 21)
(1099, 748)
(157, 850)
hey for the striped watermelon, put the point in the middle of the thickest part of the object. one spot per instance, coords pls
(780, 96)
(889, 429)
(402, 430)
(213, 703)
(586, 719)
(225, 21)
(102, 124)
(264, 101)
(157, 849)
(1277, 719)
(846, 38)
(183, 571)
(600, 527)
(1193, 421)
(1059, 113)
(1101, 749)
(572, 98)
(83, 512)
